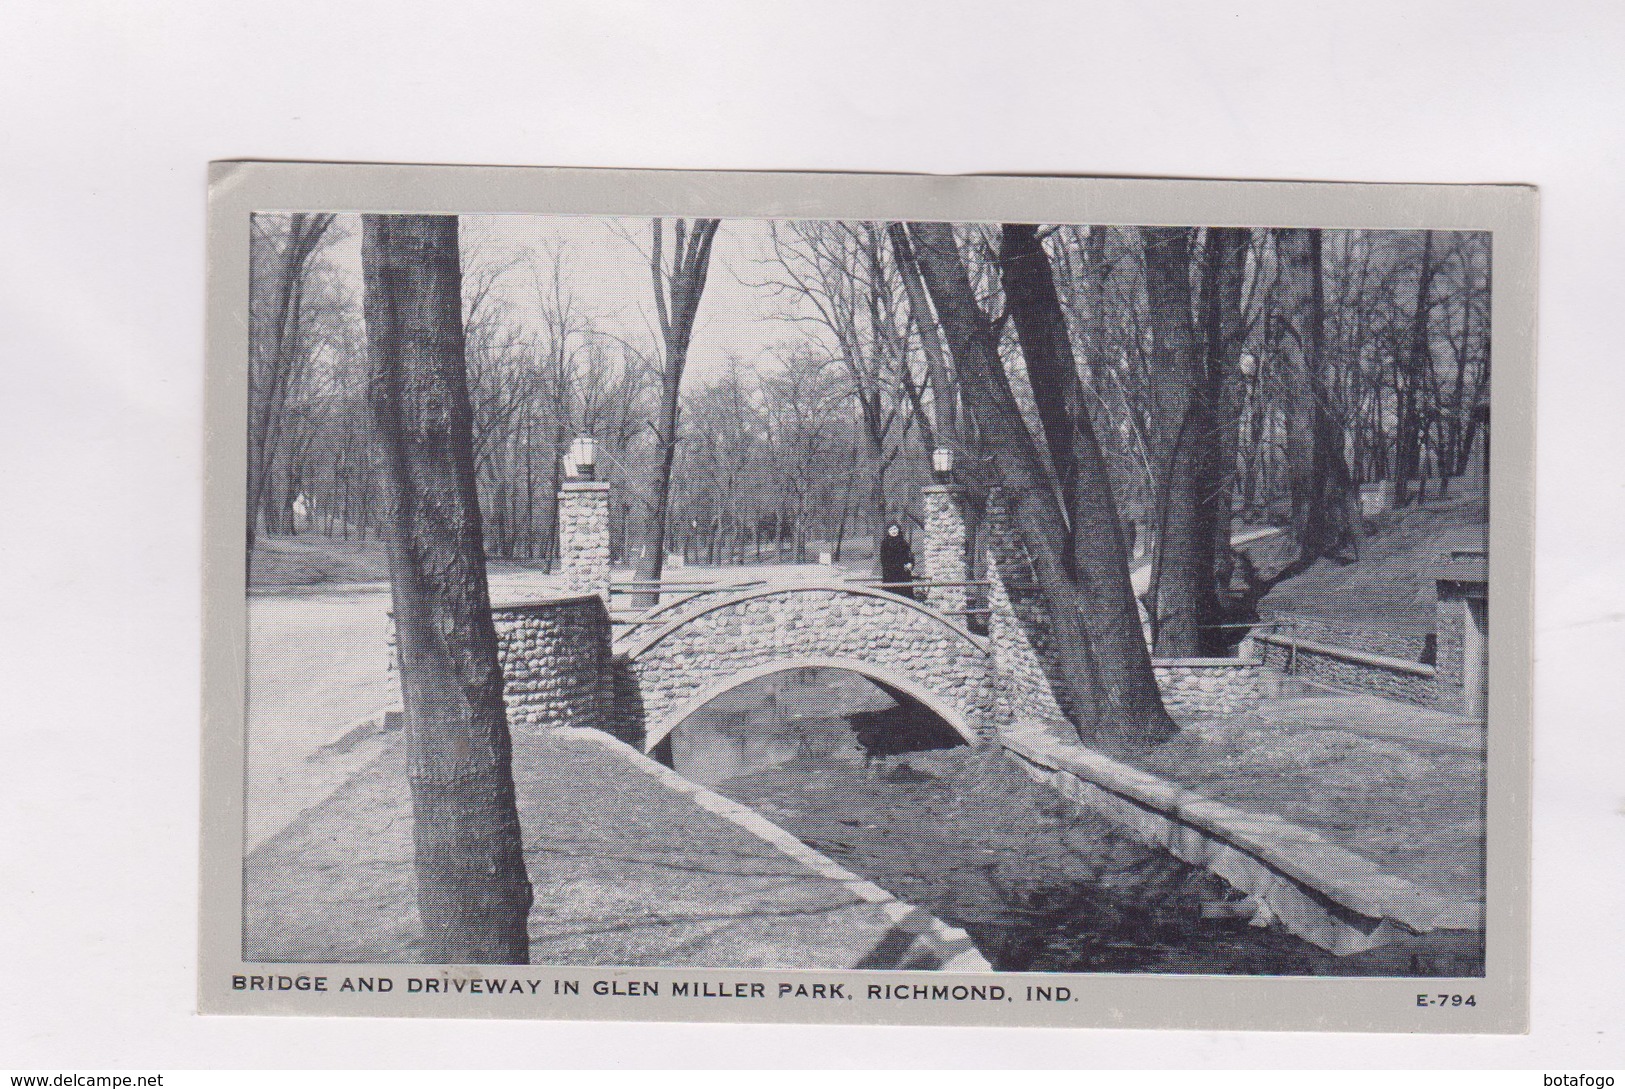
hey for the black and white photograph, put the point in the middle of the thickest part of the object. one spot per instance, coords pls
(894, 537)
(946, 598)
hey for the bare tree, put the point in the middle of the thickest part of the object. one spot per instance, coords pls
(1318, 479)
(677, 287)
(503, 389)
(276, 294)
(801, 414)
(1106, 687)
(1183, 601)
(835, 270)
(1095, 555)
(1411, 377)
(473, 892)
(944, 397)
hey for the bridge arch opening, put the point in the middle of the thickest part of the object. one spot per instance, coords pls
(810, 711)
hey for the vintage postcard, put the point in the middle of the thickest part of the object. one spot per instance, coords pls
(868, 599)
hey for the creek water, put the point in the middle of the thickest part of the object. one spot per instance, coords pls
(888, 790)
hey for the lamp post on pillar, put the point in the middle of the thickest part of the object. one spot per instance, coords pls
(584, 456)
(584, 524)
(947, 537)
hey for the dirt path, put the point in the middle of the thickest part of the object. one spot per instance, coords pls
(318, 664)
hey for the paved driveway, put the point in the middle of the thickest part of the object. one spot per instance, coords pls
(318, 664)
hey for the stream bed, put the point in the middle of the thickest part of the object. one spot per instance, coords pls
(894, 795)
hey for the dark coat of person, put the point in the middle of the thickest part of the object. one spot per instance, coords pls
(897, 561)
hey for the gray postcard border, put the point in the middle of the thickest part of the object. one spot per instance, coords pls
(1101, 1000)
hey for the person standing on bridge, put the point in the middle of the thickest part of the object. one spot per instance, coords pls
(897, 562)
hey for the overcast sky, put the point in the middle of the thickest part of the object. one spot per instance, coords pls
(610, 278)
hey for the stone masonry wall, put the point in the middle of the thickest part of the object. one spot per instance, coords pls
(584, 537)
(1370, 640)
(1212, 686)
(1017, 630)
(1020, 637)
(1350, 669)
(758, 629)
(947, 548)
(556, 660)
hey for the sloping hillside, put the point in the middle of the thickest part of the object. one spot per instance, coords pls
(1390, 588)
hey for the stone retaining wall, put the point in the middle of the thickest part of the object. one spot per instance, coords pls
(1321, 892)
(1212, 686)
(1404, 646)
(1022, 660)
(556, 660)
(1346, 667)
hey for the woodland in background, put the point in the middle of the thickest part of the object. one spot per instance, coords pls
(1098, 382)
(1192, 379)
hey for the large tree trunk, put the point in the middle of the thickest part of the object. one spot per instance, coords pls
(1096, 269)
(1097, 554)
(677, 301)
(1319, 480)
(1106, 687)
(1408, 441)
(1035, 308)
(473, 893)
(1224, 267)
(1184, 605)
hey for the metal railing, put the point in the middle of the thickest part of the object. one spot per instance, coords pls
(683, 592)
(675, 587)
(680, 593)
(944, 583)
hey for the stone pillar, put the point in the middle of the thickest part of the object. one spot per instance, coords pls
(557, 667)
(1003, 632)
(1017, 628)
(584, 537)
(1008, 578)
(947, 548)
(1461, 662)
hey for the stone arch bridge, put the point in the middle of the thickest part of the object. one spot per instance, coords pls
(565, 663)
(711, 644)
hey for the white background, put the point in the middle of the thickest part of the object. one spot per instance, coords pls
(110, 111)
